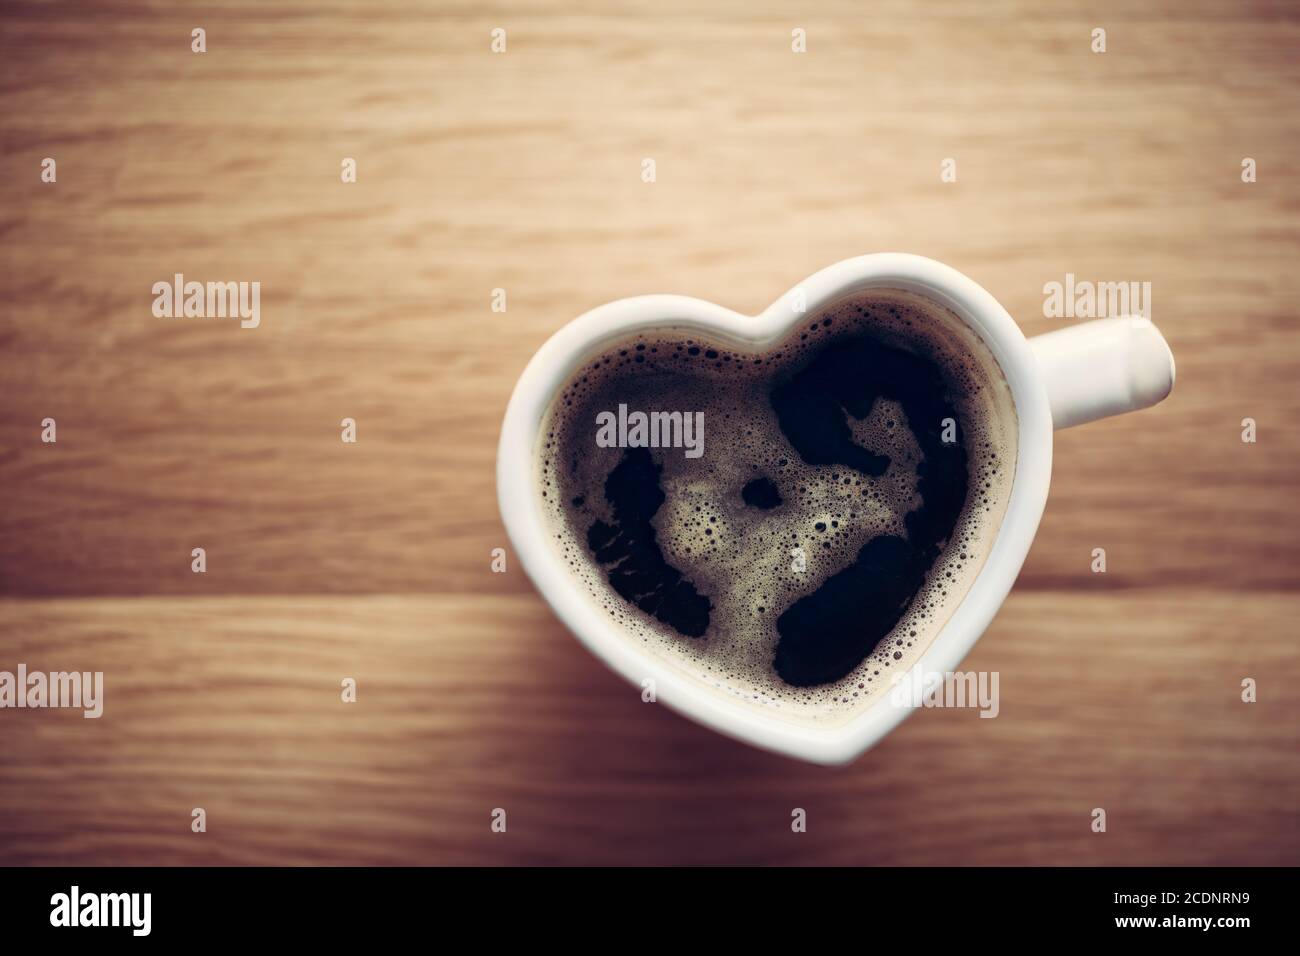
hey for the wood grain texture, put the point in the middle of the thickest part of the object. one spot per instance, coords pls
(521, 171)
(1127, 701)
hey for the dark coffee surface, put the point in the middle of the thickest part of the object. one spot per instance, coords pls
(828, 633)
(627, 547)
(798, 556)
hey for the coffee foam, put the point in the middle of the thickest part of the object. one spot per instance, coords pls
(740, 555)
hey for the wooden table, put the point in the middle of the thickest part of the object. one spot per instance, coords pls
(522, 171)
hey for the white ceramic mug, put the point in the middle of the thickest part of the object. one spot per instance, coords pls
(1077, 374)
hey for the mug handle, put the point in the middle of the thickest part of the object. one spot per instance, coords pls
(1102, 368)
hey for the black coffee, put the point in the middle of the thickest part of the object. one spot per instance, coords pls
(791, 526)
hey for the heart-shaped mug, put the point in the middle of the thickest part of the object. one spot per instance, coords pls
(1074, 375)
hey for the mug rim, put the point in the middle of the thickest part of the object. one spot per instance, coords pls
(559, 357)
